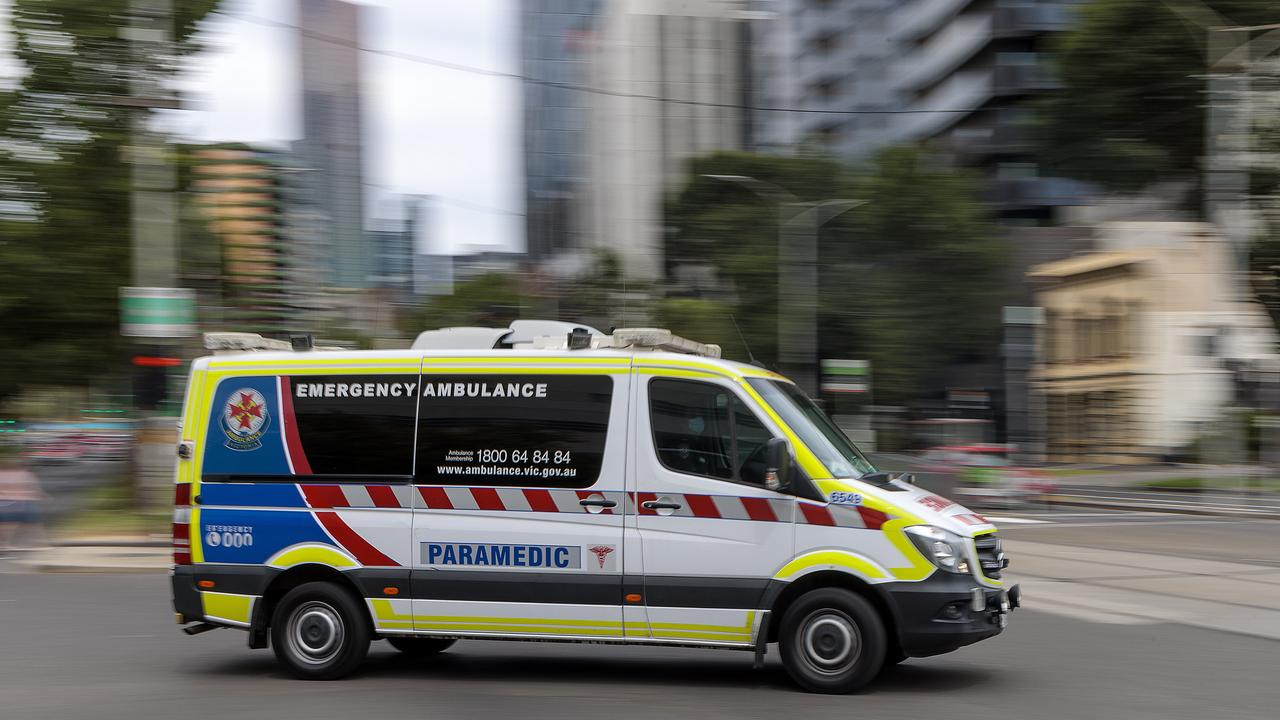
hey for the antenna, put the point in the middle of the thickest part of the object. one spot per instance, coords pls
(751, 358)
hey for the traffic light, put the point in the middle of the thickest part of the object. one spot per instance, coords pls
(150, 387)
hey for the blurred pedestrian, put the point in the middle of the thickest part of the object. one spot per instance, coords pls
(21, 500)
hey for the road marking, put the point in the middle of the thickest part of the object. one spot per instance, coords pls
(1120, 523)
(1017, 521)
(128, 637)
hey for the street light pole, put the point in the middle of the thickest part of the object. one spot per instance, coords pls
(798, 225)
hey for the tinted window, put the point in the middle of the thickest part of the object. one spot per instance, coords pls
(704, 429)
(530, 430)
(355, 424)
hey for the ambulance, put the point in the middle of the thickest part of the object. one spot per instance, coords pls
(549, 482)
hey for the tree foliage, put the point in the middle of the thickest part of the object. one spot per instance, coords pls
(64, 185)
(490, 300)
(1131, 109)
(912, 280)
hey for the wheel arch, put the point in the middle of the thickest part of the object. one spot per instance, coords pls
(289, 579)
(783, 594)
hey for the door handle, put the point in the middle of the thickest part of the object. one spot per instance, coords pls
(655, 505)
(597, 503)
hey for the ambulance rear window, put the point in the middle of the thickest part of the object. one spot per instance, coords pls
(513, 430)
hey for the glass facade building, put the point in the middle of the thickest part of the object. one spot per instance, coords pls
(556, 37)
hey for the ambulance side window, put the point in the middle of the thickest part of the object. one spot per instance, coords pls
(513, 430)
(704, 429)
(355, 425)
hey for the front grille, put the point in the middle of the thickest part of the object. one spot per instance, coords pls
(991, 555)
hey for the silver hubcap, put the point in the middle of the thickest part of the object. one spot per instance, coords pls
(316, 632)
(831, 642)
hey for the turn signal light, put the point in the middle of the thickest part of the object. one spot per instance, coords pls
(390, 591)
(206, 584)
(633, 597)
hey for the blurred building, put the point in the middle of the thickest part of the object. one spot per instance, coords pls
(477, 261)
(1144, 343)
(981, 63)
(555, 36)
(673, 86)
(394, 242)
(238, 189)
(831, 60)
(329, 61)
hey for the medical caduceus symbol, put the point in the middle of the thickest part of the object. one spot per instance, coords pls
(601, 552)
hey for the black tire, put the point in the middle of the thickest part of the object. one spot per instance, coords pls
(320, 632)
(417, 647)
(832, 641)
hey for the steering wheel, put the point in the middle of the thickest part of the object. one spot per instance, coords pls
(756, 461)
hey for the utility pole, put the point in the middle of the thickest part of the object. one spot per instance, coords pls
(798, 224)
(1231, 51)
(154, 202)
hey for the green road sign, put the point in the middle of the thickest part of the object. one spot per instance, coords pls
(157, 312)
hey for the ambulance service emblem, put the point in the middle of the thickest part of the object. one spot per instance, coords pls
(245, 419)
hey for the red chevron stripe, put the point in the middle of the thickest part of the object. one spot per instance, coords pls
(487, 499)
(540, 500)
(817, 514)
(702, 506)
(383, 496)
(873, 519)
(435, 498)
(324, 496)
(758, 509)
(367, 554)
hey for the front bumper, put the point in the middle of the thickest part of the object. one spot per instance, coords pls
(939, 614)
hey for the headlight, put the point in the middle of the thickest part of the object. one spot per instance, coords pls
(945, 549)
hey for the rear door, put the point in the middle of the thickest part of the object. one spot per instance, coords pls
(300, 467)
(519, 476)
(711, 535)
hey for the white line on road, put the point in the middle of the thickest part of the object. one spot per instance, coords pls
(1017, 521)
(1161, 523)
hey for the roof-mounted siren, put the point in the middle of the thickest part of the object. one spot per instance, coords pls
(222, 343)
(662, 339)
(521, 334)
(232, 342)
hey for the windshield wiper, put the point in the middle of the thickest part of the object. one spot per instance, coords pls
(889, 481)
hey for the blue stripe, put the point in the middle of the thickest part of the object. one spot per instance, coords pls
(281, 495)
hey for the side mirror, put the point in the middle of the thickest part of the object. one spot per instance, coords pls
(777, 475)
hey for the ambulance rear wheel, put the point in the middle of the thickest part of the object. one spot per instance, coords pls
(319, 632)
(420, 646)
(832, 641)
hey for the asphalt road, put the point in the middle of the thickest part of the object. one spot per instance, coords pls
(103, 647)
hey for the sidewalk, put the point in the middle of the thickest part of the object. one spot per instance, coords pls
(125, 554)
(1119, 587)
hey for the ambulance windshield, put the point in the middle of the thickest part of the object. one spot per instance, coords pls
(814, 428)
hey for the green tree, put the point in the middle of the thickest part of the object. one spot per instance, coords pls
(1131, 108)
(64, 184)
(701, 319)
(731, 228)
(918, 278)
(491, 300)
(913, 280)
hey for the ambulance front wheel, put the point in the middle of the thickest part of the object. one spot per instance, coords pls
(832, 641)
(319, 632)
(420, 646)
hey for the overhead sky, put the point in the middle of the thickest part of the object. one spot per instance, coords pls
(428, 130)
